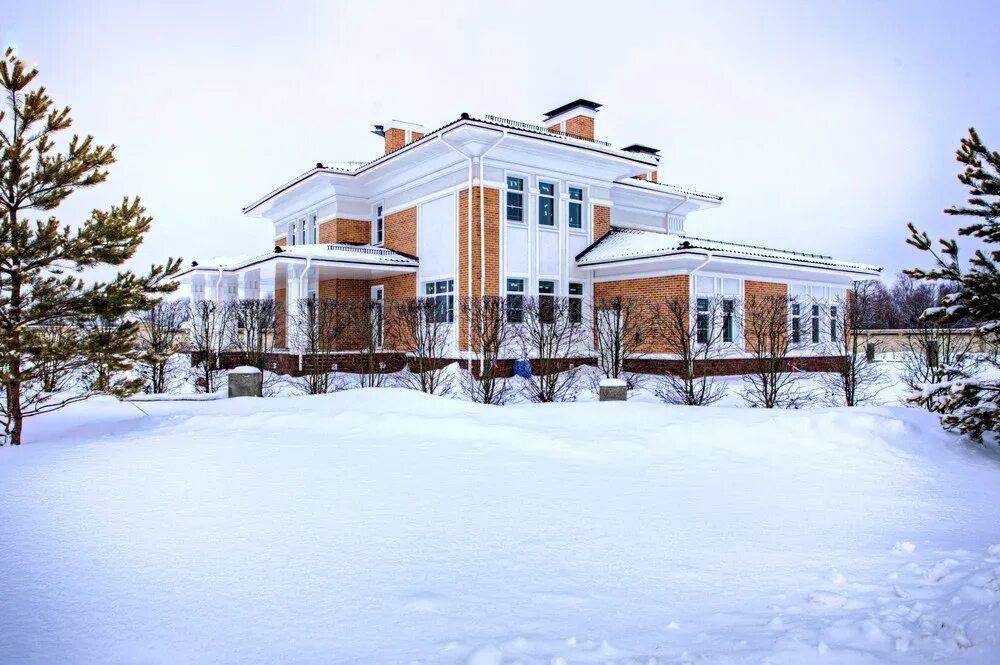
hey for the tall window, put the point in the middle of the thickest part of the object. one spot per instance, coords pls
(796, 323)
(575, 208)
(728, 308)
(443, 294)
(515, 300)
(291, 233)
(833, 323)
(546, 301)
(379, 230)
(313, 229)
(815, 324)
(546, 204)
(515, 199)
(702, 322)
(302, 231)
(575, 302)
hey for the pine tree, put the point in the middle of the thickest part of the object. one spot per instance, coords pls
(40, 259)
(967, 396)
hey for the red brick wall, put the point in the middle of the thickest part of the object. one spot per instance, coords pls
(280, 242)
(602, 221)
(401, 231)
(753, 289)
(345, 230)
(394, 139)
(655, 290)
(491, 202)
(581, 126)
(280, 313)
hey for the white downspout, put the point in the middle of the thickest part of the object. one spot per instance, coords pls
(303, 292)
(482, 233)
(468, 225)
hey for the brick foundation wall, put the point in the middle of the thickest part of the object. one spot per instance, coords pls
(656, 290)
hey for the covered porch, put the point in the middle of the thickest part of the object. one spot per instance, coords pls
(351, 273)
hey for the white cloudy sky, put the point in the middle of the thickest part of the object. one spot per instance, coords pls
(826, 128)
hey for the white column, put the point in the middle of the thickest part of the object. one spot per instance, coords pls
(294, 292)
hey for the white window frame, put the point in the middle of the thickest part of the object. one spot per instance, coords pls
(524, 279)
(718, 293)
(809, 296)
(524, 192)
(576, 297)
(313, 228)
(290, 233)
(449, 294)
(378, 224)
(554, 226)
(583, 203)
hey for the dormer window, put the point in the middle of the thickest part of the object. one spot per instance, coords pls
(378, 228)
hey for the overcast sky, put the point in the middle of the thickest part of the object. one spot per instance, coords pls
(825, 127)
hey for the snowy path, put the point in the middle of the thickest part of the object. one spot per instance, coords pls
(389, 527)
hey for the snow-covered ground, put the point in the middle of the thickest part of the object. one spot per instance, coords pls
(387, 526)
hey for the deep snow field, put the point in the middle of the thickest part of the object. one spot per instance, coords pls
(387, 526)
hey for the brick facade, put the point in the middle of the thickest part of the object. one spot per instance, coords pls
(758, 290)
(280, 311)
(395, 138)
(602, 221)
(581, 126)
(354, 231)
(656, 290)
(400, 231)
(280, 242)
(491, 202)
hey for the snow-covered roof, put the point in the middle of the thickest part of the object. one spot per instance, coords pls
(673, 189)
(625, 244)
(338, 253)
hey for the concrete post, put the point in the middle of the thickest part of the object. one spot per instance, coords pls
(245, 381)
(613, 390)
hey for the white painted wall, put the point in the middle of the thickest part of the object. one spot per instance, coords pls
(438, 228)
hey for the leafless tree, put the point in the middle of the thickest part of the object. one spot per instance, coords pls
(369, 329)
(856, 381)
(696, 337)
(552, 334)
(422, 327)
(623, 330)
(211, 332)
(323, 324)
(253, 336)
(771, 383)
(935, 353)
(492, 321)
(160, 337)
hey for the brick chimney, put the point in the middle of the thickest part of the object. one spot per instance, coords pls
(398, 134)
(575, 119)
(645, 151)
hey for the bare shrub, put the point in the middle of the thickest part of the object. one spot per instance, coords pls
(552, 333)
(211, 331)
(160, 336)
(696, 337)
(770, 383)
(491, 322)
(623, 328)
(370, 330)
(422, 327)
(323, 324)
(856, 381)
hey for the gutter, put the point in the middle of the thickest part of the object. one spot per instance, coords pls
(468, 226)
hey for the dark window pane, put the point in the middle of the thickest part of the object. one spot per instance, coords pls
(575, 216)
(575, 289)
(515, 286)
(515, 183)
(515, 308)
(702, 304)
(575, 193)
(575, 310)
(429, 289)
(546, 188)
(546, 287)
(702, 329)
(515, 207)
(546, 211)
